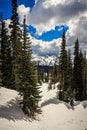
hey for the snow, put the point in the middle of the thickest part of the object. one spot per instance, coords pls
(56, 114)
(45, 60)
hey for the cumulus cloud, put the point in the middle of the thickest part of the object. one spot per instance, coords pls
(22, 10)
(61, 13)
(78, 29)
(48, 13)
(45, 48)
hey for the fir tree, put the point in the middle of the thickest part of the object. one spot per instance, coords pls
(0, 49)
(6, 66)
(16, 45)
(69, 68)
(29, 89)
(63, 68)
(63, 54)
(81, 75)
(85, 76)
(69, 93)
(77, 81)
(63, 61)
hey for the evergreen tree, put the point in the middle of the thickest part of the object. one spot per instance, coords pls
(63, 61)
(6, 66)
(63, 54)
(39, 79)
(69, 93)
(0, 73)
(69, 69)
(76, 63)
(85, 76)
(16, 45)
(28, 75)
(0, 49)
(77, 81)
(63, 68)
(81, 75)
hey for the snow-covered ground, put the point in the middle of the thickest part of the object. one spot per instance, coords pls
(56, 115)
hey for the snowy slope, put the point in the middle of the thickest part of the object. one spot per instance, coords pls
(56, 115)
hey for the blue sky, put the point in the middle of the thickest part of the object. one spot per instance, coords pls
(55, 33)
(47, 19)
(5, 6)
(48, 35)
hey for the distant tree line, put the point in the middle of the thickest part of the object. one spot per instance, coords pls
(71, 74)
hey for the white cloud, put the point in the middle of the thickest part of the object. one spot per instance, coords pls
(48, 13)
(45, 19)
(41, 48)
(49, 3)
(22, 10)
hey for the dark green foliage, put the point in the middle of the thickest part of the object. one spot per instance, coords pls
(55, 75)
(6, 65)
(0, 49)
(63, 62)
(24, 72)
(69, 70)
(28, 76)
(77, 81)
(65, 91)
(0, 70)
(85, 76)
(16, 45)
(63, 68)
(81, 75)
(69, 96)
(31, 94)
(76, 66)
(63, 54)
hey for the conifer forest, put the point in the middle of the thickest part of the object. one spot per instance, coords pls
(18, 70)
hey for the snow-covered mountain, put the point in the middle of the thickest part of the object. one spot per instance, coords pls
(56, 114)
(46, 60)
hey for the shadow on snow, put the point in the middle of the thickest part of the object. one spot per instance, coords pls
(12, 111)
(57, 101)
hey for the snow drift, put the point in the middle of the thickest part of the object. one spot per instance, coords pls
(56, 114)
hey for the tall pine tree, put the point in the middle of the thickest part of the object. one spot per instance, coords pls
(29, 89)
(63, 68)
(85, 76)
(69, 69)
(81, 75)
(69, 94)
(77, 81)
(6, 66)
(0, 49)
(16, 45)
